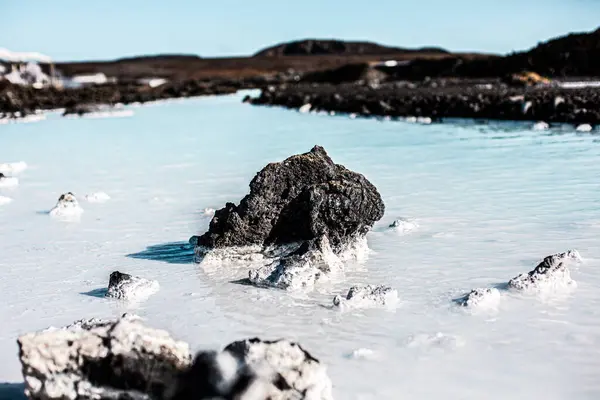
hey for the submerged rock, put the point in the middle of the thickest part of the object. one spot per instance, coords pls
(301, 216)
(126, 287)
(403, 225)
(368, 297)
(67, 205)
(481, 298)
(120, 359)
(551, 273)
(256, 369)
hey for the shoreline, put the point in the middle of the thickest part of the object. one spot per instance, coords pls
(394, 100)
(493, 102)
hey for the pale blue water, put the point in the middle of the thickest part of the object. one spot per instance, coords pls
(490, 201)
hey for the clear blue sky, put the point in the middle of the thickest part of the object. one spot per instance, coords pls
(90, 29)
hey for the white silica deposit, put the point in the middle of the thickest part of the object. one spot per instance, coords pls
(8, 181)
(97, 197)
(66, 206)
(5, 200)
(13, 168)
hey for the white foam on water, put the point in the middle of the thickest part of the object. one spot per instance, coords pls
(97, 197)
(208, 212)
(363, 354)
(5, 200)
(24, 120)
(104, 114)
(437, 340)
(8, 181)
(404, 225)
(13, 168)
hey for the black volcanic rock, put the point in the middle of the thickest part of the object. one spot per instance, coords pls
(490, 101)
(303, 198)
(303, 218)
(339, 47)
(361, 72)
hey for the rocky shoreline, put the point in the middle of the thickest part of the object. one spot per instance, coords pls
(359, 78)
(20, 101)
(475, 101)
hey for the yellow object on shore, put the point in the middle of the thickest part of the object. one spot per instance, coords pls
(529, 78)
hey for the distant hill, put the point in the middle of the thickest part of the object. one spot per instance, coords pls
(161, 57)
(313, 47)
(576, 54)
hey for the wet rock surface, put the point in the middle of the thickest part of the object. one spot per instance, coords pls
(481, 297)
(302, 198)
(368, 297)
(454, 101)
(123, 359)
(120, 359)
(552, 272)
(308, 205)
(67, 205)
(256, 369)
(79, 101)
(127, 287)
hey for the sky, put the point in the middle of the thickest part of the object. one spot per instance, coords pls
(90, 29)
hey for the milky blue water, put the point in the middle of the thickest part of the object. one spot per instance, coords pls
(490, 200)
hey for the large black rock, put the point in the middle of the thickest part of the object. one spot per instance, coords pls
(302, 198)
(303, 217)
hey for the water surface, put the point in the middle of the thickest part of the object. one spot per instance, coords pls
(490, 201)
